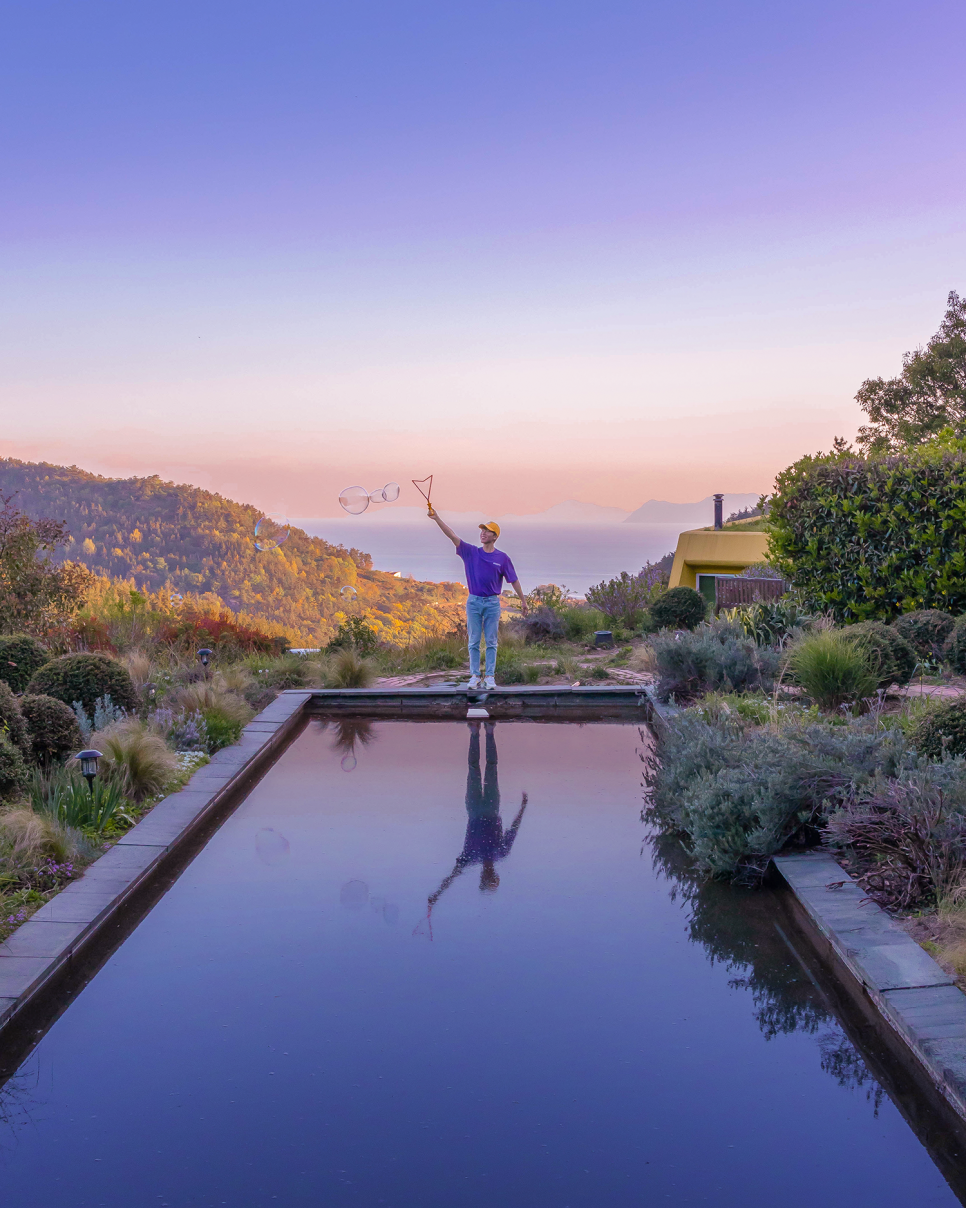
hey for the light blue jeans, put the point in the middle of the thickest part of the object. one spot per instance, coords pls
(482, 618)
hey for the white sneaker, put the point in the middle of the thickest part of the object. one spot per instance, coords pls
(489, 682)
(475, 682)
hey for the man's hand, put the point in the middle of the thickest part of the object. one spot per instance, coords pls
(524, 608)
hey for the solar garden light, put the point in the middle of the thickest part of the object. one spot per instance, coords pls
(88, 762)
(150, 689)
(204, 656)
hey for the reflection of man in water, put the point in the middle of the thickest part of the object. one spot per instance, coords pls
(485, 841)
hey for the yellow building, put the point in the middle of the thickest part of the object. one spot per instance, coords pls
(713, 552)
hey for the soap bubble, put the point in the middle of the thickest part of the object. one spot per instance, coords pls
(354, 894)
(176, 599)
(348, 763)
(271, 847)
(390, 492)
(271, 531)
(349, 592)
(355, 500)
(378, 496)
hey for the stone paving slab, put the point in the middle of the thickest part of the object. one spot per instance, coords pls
(19, 974)
(169, 819)
(76, 907)
(915, 995)
(41, 937)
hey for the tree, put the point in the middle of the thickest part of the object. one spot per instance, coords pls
(36, 594)
(927, 397)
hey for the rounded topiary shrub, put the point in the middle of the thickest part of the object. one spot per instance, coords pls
(679, 608)
(13, 770)
(12, 725)
(20, 656)
(926, 630)
(86, 678)
(955, 648)
(942, 730)
(896, 659)
(52, 727)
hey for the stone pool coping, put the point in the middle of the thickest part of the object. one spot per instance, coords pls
(920, 1002)
(50, 944)
(42, 949)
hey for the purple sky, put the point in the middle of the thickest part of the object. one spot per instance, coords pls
(252, 242)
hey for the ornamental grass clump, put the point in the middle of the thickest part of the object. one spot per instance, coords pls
(834, 669)
(136, 758)
(63, 794)
(348, 669)
(736, 794)
(716, 656)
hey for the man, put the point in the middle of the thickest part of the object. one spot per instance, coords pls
(486, 568)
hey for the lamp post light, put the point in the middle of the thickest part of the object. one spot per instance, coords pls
(88, 764)
(204, 657)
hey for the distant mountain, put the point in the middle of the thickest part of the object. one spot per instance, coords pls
(696, 515)
(574, 511)
(180, 538)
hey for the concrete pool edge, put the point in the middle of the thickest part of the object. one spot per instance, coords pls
(921, 1003)
(37, 954)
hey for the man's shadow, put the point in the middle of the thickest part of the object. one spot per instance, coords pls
(485, 842)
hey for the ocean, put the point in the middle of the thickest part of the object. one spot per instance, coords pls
(571, 555)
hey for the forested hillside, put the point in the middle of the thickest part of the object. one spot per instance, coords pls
(167, 536)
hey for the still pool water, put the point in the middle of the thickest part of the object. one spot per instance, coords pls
(435, 980)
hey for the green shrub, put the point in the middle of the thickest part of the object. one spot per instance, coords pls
(895, 658)
(579, 621)
(955, 648)
(86, 678)
(52, 726)
(926, 630)
(13, 770)
(942, 730)
(12, 724)
(715, 656)
(834, 668)
(679, 608)
(222, 730)
(769, 622)
(874, 538)
(20, 656)
(356, 634)
(737, 794)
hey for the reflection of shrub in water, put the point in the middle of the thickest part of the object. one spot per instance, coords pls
(736, 927)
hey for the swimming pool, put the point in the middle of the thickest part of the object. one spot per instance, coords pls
(429, 964)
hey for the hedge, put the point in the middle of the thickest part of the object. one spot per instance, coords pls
(870, 539)
(926, 630)
(54, 732)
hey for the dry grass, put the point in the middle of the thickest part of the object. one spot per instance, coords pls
(28, 837)
(138, 758)
(140, 668)
(346, 669)
(207, 694)
(643, 659)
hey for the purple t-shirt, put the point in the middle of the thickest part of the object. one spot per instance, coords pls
(485, 572)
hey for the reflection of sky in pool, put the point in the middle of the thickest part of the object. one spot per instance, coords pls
(438, 983)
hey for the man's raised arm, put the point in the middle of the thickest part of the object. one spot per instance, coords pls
(433, 515)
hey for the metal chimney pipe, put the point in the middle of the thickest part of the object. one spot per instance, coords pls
(719, 511)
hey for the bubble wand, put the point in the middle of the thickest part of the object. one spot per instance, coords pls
(419, 483)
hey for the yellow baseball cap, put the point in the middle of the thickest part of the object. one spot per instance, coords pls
(492, 526)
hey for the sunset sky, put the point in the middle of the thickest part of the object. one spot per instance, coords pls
(607, 251)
